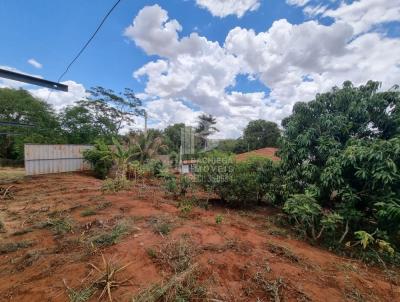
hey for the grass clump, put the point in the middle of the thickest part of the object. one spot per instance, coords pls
(161, 226)
(104, 205)
(82, 295)
(182, 286)
(175, 254)
(59, 226)
(106, 280)
(14, 246)
(112, 237)
(88, 212)
(218, 219)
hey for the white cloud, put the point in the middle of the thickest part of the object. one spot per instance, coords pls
(223, 8)
(35, 63)
(294, 61)
(297, 2)
(362, 15)
(60, 99)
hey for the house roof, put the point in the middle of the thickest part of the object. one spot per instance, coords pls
(264, 152)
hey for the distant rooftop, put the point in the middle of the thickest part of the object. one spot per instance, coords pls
(264, 152)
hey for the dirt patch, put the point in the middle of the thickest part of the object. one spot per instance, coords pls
(57, 229)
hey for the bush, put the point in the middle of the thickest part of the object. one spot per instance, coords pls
(110, 185)
(238, 183)
(177, 186)
(100, 158)
(155, 167)
(308, 216)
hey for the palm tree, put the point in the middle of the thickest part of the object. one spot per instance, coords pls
(121, 156)
(146, 145)
(205, 128)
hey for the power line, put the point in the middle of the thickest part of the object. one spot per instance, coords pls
(90, 40)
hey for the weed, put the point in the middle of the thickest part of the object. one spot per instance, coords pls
(186, 206)
(14, 246)
(104, 205)
(88, 212)
(106, 280)
(161, 226)
(269, 287)
(218, 219)
(177, 254)
(111, 238)
(183, 286)
(110, 185)
(27, 260)
(58, 225)
(282, 252)
(81, 295)
(152, 253)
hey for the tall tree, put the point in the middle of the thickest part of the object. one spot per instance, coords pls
(172, 136)
(260, 134)
(112, 111)
(21, 107)
(205, 128)
(79, 125)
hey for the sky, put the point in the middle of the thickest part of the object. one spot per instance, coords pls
(238, 60)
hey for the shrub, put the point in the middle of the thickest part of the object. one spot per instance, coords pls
(308, 216)
(238, 183)
(110, 185)
(100, 158)
(155, 167)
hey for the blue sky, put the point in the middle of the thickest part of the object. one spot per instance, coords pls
(269, 54)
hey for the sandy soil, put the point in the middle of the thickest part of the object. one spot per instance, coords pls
(244, 258)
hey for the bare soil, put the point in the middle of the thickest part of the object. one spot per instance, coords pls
(50, 245)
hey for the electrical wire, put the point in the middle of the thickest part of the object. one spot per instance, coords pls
(90, 39)
(86, 45)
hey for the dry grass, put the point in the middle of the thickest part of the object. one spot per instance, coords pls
(183, 286)
(11, 174)
(107, 280)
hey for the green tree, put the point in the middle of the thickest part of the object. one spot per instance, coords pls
(172, 136)
(112, 111)
(344, 148)
(21, 107)
(147, 145)
(260, 134)
(79, 125)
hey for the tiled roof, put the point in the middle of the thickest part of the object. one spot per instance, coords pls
(264, 152)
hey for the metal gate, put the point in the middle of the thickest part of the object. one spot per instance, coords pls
(46, 159)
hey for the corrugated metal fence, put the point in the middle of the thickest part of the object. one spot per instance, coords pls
(46, 159)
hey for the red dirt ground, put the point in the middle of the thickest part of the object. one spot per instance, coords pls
(264, 152)
(239, 259)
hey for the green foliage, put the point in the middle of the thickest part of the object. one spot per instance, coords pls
(172, 136)
(156, 167)
(147, 145)
(218, 219)
(112, 237)
(344, 148)
(177, 186)
(20, 106)
(100, 158)
(260, 134)
(238, 183)
(113, 185)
